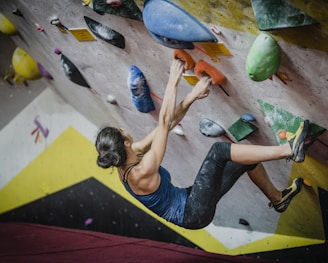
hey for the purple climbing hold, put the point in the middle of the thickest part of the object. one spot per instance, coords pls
(57, 51)
(88, 221)
(44, 72)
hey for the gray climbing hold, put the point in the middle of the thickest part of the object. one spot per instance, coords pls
(210, 128)
(243, 222)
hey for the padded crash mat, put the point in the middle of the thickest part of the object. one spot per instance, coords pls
(22, 242)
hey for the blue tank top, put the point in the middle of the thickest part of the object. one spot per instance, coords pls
(168, 201)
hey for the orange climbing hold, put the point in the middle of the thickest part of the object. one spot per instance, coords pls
(203, 67)
(282, 134)
(307, 182)
(185, 57)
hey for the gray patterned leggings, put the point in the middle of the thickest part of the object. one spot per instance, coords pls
(215, 178)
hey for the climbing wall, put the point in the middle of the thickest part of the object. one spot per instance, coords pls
(52, 167)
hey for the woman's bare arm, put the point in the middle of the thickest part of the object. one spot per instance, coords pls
(198, 92)
(153, 158)
(146, 177)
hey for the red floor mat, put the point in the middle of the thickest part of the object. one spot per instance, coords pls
(22, 242)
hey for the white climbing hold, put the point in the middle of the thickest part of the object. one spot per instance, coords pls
(111, 99)
(178, 130)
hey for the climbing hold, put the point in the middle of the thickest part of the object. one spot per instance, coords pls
(263, 58)
(17, 12)
(6, 26)
(247, 117)
(56, 22)
(307, 182)
(72, 72)
(203, 67)
(140, 91)
(178, 130)
(24, 65)
(105, 33)
(44, 72)
(172, 43)
(86, 2)
(243, 222)
(39, 27)
(128, 8)
(88, 221)
(114, 3)
(282, 134)
(210, 128)
(215, 30)
(111, 99)
(166, 19)
(241, 129)
(282, 76)
(273, 14)
(185, 57)
(57, 51)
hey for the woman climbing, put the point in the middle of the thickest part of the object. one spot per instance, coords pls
(140, 170)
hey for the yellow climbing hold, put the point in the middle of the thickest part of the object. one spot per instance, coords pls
(6, 26)
(86, 2)
(24, 65)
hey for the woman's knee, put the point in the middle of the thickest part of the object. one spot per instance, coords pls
(221, 150)
(252, 167)
(199, 220)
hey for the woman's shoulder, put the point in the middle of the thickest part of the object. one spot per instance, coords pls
(142, 183)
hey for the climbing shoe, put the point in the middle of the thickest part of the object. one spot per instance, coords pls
(296, 142)
(287, 195)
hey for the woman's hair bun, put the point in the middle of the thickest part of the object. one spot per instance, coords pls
(104, 161)
(111, 148)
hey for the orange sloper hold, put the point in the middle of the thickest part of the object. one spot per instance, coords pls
(185, 57)
(307, 182)
(282, 134)
(203, 67)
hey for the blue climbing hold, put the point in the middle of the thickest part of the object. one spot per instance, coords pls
(247, 117)
(172, 43)
(140, 91)
(166, 19)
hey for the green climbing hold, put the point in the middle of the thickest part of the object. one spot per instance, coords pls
(263, 58)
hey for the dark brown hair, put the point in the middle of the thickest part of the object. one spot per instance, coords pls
(110, 147)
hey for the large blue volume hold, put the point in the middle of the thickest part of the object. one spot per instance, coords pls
(171, 43)
(168, 20)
